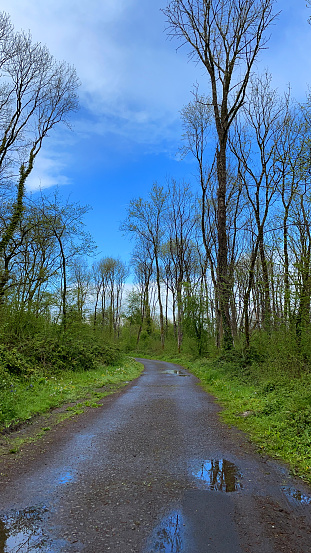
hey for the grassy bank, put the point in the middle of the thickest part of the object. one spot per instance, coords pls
(267, 396)
(272, 405)
(21, 398)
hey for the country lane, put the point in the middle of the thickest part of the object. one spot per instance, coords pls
(152, 470)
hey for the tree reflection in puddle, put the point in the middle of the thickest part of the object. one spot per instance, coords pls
(297, 495)
(219, 475)
(3, 536)
(20, 531)
(168, 536)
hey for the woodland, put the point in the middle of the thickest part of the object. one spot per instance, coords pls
(221, 265)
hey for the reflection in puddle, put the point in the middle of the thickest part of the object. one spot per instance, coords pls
(65, 477)
(297, 495)
(3, 536)
(21, 531)
(175, 372)
(219, 474)
(168, 536)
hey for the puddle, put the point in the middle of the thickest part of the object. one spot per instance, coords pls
(174, 372)
(65, 477)
(168, 535)
(21, 531)
(297, 495)
(219, 475)
(3, 536)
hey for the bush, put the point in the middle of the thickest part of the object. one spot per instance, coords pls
(301, 420)
(66, 352)
(5, 379)
(30, 344)
(14, 362)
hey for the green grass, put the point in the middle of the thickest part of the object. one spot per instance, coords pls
(273, 407)
(268, 397)
(23, 398)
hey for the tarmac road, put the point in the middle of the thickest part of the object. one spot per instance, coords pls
(152, 470)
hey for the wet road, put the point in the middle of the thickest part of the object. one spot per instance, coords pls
(152, 470)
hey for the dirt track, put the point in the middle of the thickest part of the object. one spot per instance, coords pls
(152, 470)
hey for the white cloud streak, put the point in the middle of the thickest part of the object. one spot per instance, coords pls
(48, 171)
(133, 82)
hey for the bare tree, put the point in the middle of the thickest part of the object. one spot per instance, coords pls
(97, 286)
(256, 148)
(36, 93)
(226, 36)
(145, 222)
(293, 159)
(81, 279)
(180, 220)
(197, 120)
(65, 224)
(301, 243)
(122, 273)
(143, 261)
(109, 277)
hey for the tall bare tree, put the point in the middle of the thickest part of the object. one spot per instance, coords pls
(226, 37)
(256, 148)
(80, 279)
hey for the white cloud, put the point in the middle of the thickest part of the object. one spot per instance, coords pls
(133, 82)
(48, 171)
(127, 68)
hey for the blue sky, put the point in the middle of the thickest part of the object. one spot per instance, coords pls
(133, 86)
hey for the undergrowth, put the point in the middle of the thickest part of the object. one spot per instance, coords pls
(43, 365)
(272, 403)
(24, 396)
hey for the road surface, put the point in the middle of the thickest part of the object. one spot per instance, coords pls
(152, 470)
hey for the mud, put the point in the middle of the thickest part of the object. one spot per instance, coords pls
(152, 470)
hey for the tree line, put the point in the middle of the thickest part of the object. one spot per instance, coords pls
(216, 261)
(44, 271)
(246, 236)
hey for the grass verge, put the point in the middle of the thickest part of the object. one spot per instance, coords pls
(273, 407)
(21, 399)
(266, 398)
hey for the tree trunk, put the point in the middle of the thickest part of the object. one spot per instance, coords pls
(160, 303)
(179, 317)
(223, 286)
(266, 303)
(286, 270)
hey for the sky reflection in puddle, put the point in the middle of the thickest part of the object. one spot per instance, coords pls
(218, 475)
(65, 477)
(21, 531)
(297, 495)
(174, 372)
(168, 535)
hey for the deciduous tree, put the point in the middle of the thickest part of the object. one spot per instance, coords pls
(226, 37)
(36, 93)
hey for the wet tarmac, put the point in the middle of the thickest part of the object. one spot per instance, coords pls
(152, 470)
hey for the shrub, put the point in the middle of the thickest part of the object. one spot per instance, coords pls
(14, 362)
